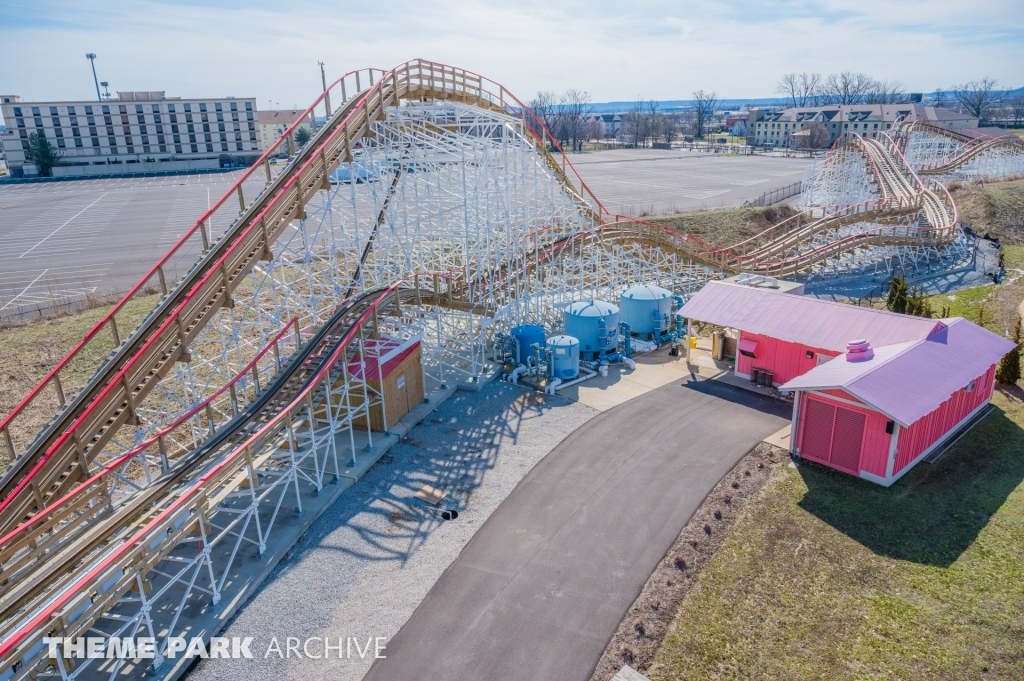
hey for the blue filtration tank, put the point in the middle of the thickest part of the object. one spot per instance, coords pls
(564, 355)
(582, 321)
(640, 303)
(527, 335)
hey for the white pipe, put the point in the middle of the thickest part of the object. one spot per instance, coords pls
(553, 386)
(517, 372)
(589, 375)
(628, 362)
(604, 369)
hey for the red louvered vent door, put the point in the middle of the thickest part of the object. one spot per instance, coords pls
(818, 420)
(847, 438)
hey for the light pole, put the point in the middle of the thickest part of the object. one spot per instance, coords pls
(92, 62)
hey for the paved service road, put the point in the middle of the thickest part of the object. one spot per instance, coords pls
(541, 588)
(654, 181)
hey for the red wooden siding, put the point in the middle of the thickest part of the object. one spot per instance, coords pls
(787, 360)
(875, 454)
(925, 432)
(843, 436)
(816, 440)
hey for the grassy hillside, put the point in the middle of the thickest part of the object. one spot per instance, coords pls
(727, 226)
(995, 208)
(28, 351)
(826, 576)
(995, 306)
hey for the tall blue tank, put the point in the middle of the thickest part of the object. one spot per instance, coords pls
(582, 321)
(639, 304)
(527, 335)
(564, 356)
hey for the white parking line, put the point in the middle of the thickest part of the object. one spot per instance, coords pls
(23, 291)
(61, 227)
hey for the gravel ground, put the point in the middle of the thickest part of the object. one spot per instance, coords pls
(365, 565)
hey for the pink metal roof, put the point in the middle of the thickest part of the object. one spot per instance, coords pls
(821, 324)
(909, 380)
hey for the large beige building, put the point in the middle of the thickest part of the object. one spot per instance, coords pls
(272, 125)
(767, 127)
(137, 131)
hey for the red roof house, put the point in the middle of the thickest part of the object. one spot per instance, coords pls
(875, 391)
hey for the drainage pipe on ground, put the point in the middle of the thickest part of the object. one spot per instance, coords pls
(558, 385)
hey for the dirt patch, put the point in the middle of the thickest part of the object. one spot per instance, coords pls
(727, 226)
(992, 208)
(641, 632)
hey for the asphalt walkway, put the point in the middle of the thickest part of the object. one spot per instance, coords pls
(542, 586)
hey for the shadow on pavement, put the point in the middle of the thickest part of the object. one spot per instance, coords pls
(935, 512)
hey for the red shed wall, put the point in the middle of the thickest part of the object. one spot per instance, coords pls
(787, 360)
(875, 442)
(926, 431)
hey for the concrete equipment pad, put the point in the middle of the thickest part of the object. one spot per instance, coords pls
(653, 370)
(542, 586)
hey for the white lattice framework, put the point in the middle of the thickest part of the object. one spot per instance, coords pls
(843, 177)
(852, 173)
(937, 152)
(450, 224)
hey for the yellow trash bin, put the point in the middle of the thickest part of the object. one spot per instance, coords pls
(693, 342)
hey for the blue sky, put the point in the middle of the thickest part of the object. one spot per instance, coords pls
(613, 50)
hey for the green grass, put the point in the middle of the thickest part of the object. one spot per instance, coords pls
(997, 306)
(826, 576)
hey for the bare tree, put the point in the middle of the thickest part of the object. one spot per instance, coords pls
(595, 128)
(635, 124)
(846, 88)
(814, 136)
(704, 104)
(976, 96)
(802, 89)
(670, 128)
(886, 92)
(655, 119)
(939, 98)
(573, 111)
(1015, 106)
(545, 108)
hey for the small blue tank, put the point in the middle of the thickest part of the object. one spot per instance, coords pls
(564, 356)
(582, 321)
(527, 335)
(639, 305)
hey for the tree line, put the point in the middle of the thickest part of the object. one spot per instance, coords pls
(569, 117)
(977, 97)
(571, 120)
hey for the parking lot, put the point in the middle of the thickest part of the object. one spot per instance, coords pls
(654, 182)
(61, 241)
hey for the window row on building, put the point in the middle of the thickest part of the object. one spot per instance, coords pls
(134, 124)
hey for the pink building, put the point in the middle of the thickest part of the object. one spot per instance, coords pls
(875, 391)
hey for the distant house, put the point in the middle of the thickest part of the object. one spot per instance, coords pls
(875, 391)
(274, 122)
(777, 127)
(612, 124)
